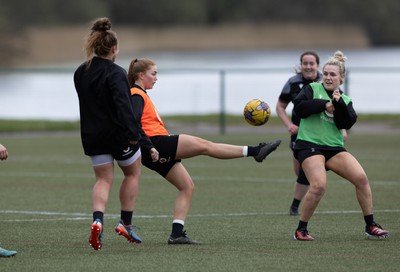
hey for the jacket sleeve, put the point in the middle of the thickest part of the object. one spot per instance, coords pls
(285, 93)
(137, 103)
(121, 95)
(344, 115)
(305, 105)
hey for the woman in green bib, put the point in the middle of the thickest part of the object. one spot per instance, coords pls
(324, 111)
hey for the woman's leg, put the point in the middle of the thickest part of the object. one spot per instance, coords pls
(130, 185)
(300, 190)
(346, 165)
(314, 168)
(101, 189)
(180, 178)
(100, 193)
(190, 146)
(127, 195)
(296, 166)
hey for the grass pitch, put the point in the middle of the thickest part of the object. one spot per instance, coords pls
(239, 211)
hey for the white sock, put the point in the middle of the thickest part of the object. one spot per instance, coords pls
(245, 150)
(179, 221)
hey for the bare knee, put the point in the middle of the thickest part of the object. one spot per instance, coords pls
(205, 146)
(188, 188)
(105, 180)
(317, 190)
(132, 170)
(183, 184)
(133, 176)
(361, 181)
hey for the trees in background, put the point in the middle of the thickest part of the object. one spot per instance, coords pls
(380, 19)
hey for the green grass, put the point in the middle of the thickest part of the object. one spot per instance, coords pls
(9, 125)
(239, 212)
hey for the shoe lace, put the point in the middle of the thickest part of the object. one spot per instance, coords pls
(184, 233)
(131, 227)
(376, 225)
(370, 228)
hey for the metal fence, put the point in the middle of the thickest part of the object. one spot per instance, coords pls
(49, 93)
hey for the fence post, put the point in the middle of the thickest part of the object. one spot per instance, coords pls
(222, 115)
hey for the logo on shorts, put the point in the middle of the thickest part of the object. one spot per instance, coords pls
(127, 151)
(164, 160)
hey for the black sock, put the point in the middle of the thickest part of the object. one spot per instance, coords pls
(98, 215)
(126, 217)
(295, 203)
(369, 219)
(177, 230)
(253, 150)
(302, 225)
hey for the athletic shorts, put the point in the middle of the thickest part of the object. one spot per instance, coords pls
(166, 146)
(302, 179)
(302, 154)
(123, 157)
(293, 141)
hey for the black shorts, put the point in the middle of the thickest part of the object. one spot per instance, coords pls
(302, 154)
(293, 141)
(166, 147)
(126, 153)
(302, 179)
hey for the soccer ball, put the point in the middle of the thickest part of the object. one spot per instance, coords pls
(256, 112)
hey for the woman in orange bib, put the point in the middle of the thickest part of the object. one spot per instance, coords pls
(142, 76)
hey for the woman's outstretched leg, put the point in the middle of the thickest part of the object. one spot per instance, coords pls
(191, 146)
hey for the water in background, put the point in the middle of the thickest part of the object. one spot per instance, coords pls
(190, 83)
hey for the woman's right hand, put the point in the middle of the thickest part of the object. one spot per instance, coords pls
(293, 129)
(329, 107)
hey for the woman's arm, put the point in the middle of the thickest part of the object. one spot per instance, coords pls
(305, 105)
(344, 115)
(137, 105)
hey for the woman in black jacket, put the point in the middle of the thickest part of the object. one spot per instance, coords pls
(108, 130)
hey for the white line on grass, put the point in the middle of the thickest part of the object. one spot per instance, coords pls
(87, 216)
(195, 178)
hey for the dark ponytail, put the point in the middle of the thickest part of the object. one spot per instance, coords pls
(101, 39)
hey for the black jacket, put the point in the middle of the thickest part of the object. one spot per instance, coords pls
(106, 114)
(292, 88)
(304, 105)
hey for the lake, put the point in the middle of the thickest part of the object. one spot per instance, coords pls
(191, 82)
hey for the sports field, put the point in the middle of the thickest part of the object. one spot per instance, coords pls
(239, 212)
